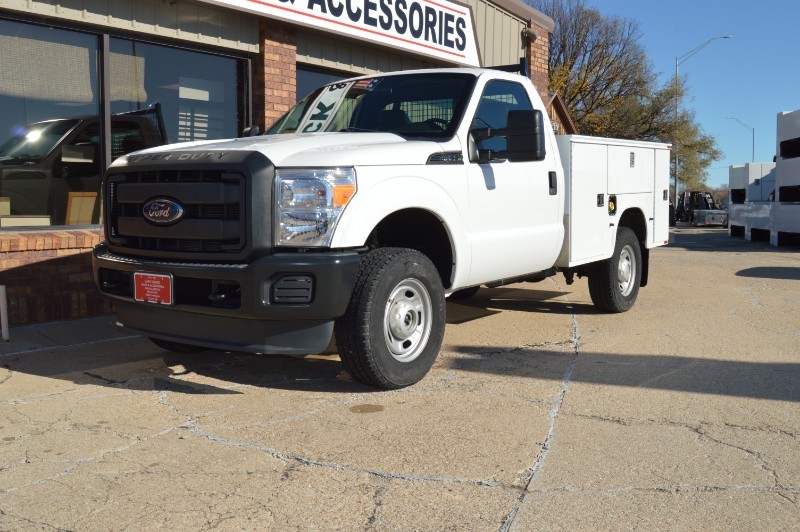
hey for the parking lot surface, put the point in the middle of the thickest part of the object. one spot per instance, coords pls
(540, 413)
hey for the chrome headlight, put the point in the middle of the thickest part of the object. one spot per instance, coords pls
(309, 203)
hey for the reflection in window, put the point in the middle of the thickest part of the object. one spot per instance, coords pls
(49, 94)
(200, 94)
(50, 142)
(309, 79)
(499, 97)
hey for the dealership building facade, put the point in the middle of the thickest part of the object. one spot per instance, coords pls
(90, 80)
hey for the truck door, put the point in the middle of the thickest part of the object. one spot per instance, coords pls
(513, 221)
(659, 226)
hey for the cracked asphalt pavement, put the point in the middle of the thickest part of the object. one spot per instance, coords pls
(540, 413)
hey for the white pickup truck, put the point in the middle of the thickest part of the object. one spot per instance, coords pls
(362, 209)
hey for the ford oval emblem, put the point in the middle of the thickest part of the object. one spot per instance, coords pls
(162, 211)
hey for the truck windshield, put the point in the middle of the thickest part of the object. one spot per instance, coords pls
(34, 141)
(412, 105)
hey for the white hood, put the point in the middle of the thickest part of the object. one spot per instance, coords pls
(321, 149)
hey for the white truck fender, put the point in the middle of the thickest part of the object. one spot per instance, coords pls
(372, 204)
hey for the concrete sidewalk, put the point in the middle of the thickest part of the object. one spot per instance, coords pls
(540, 413)
(61, 334)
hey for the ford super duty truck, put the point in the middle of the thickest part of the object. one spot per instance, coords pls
(362, 209)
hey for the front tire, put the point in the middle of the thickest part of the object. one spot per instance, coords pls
(614, 283)
(392, 330)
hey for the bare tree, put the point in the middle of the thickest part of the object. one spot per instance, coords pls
(609, 86)
(720, 193)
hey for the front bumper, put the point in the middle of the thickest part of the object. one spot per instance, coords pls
(283, 303)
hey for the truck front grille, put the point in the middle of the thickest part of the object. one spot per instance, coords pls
(213, 219)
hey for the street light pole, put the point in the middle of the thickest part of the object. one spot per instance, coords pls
(679, 60)
(753, 131)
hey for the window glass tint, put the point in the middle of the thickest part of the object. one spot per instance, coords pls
(498, 98)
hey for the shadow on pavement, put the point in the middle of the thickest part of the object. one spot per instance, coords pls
(717, 239)
(772, 381)
(490, 301)
(133, 363)
(138, 366)
(772, 272)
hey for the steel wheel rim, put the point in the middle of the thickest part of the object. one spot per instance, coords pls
(407, 320)
(626, 271)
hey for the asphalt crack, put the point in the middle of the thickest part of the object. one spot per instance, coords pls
(8, 375)
(555, 410)
(191, 424)
(377, 498)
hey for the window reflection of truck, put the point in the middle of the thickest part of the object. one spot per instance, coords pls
(44, 162)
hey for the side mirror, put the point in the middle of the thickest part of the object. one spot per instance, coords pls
(251, 131)
(526, 138)
(524, 135)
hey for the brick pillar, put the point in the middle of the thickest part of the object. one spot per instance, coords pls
(538, 52)
(275, 72)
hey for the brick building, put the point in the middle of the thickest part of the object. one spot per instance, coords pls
(89, 81)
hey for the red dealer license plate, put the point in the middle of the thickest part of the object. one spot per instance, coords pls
(153, 287)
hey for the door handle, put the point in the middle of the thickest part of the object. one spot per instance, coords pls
(553, 183)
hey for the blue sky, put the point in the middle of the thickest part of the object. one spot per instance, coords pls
(752, 77)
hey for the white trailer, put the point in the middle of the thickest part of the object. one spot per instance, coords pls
(786, 216)
(753, 216)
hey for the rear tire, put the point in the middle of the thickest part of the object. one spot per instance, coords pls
(614, 283)
(392, 330)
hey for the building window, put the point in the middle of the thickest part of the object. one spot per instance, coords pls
(48, 91)
(199, 94)
(309, 79)
(50, 94)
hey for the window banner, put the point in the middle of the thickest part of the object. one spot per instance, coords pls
(435, 28)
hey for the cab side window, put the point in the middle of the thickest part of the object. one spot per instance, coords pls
(498, 98)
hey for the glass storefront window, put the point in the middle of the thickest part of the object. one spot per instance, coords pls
(309, 79)
(50, 94)
(48, 91)
(198, 93)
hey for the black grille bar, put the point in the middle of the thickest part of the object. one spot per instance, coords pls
(213, 220)
(189, 193)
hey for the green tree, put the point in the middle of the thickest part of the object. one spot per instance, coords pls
(609, 86)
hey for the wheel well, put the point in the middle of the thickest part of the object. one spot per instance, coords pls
(417, 229)
(634, 220)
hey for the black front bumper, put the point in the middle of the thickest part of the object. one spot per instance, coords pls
(284, 303)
